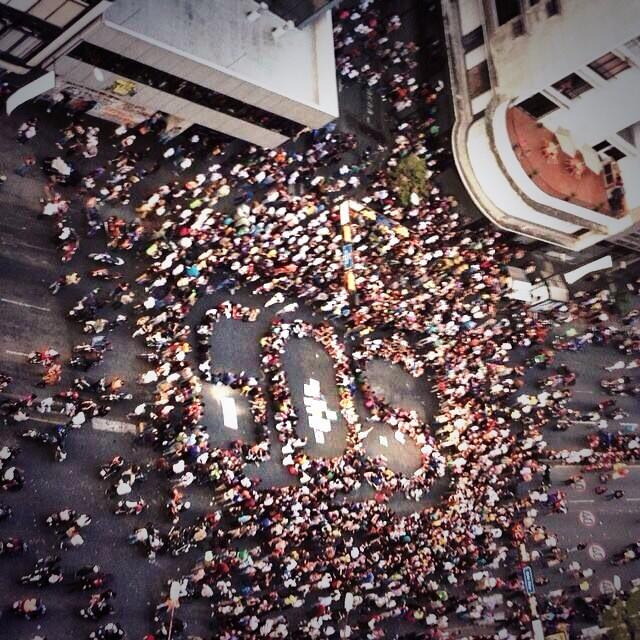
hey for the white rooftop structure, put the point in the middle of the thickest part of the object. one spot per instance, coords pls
(297, 65)
(547, 132)
(229, 65)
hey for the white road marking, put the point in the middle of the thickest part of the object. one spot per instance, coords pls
(101, 424)
(606, 587)
(16, 353)
(24, 304)
(596, 552)
(28, 246)
(383, 441)
(587, 518)
(633, 499)
(63, 420)
(584, 391)
(229, 413)
(319, 416)
(579, 501)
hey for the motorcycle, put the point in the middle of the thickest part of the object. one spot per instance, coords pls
(109, 631)
(104, 274)
(99, 325)
(5, 511)
(47, 356)
(131, 507)
(62, 518)
(56, 438)
(106, 258)
(149, 357)
(47, 571)
(93, 220)
(99, 606)
(29, 608)
(8, 453)
(108, 470)
(115, 397)
(90, 577)
(12, 547)
(12, 479)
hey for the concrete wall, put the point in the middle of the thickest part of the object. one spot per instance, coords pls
(159, 57)
(556, 46)
(80, 73)
(609, 107)
(294, 74)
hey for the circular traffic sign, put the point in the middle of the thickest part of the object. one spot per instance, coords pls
(607, 587)
(587, 518)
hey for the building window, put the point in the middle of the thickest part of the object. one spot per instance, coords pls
(163, 81)
(614, 153)
(22, 36)
(606, 148)
(631, 134)
(506, 10)
(299, 10)
(478, 80)
(552, 7)
(609, 65)
(473, 39)
(572, 86)
(56, 12)
(538, 105)
(517, 27)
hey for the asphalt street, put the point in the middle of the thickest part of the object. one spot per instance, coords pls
(32, 318)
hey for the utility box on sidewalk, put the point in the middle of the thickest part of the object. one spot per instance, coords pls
(540, 296)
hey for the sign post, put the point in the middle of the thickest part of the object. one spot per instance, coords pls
(527, 578)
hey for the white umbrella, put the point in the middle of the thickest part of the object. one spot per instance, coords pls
(563, 136)
(591, 158)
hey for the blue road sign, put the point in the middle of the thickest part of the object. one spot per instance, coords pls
(527, 578)
(347, 256)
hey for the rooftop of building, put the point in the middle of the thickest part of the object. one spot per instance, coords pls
(226, 35)
(559, 174)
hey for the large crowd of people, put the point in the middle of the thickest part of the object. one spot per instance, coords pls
(306, 560)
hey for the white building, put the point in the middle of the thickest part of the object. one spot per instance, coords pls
(547, 101)
(229, 65)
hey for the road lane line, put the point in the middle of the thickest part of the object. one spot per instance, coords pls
(24, 304)
(16, 353)
(633, 499)
(581, 501)
(101, 424)
(27, 246)
(63, 420)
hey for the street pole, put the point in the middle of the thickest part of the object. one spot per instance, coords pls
(536, 623)
(171, 624)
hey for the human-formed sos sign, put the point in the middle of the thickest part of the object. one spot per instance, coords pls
(350, 377)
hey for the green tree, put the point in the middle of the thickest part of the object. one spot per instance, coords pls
(410, 176)
(622, 618)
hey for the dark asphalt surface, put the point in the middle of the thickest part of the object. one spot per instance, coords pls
(32, 318)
